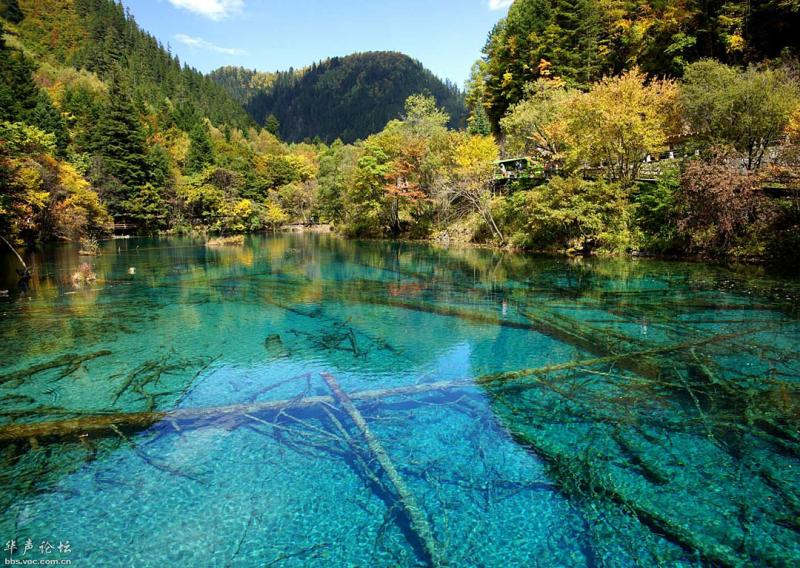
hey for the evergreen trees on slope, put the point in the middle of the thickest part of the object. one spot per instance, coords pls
(120, 147)
(102, 37)
(343, 97)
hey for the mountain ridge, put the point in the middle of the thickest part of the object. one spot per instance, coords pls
(346, 97)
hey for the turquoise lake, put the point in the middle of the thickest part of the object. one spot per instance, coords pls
(304, 400)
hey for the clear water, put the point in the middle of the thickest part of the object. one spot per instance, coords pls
(684, 453)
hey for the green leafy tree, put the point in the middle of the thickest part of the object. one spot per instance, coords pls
(575, 214)
(299, 199)
(744, 110)
(415, 149)
(537, 125)
(423, 115)
(337, 167)
(364, 202)
(201, 199)
(272, 124)
(282, 169)
(656, 212)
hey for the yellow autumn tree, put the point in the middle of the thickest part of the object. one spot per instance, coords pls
(469, 185)
(536, 125)
(621, 120)
(40, 195)
(78, 210)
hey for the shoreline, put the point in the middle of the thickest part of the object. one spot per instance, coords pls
(698, 259)
(777, 266)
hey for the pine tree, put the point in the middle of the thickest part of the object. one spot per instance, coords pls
(201, 153)
(6, 95)
(566, 38)
(272, 124)
(48, 118)
(590, 43)
(121, 143)
(112, 53)
(159, 167)
(478, 122)
(10, 10)
(18, 93)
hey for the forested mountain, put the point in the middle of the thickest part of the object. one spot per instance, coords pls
(342, 97)
(242, 84)
(100, 36)
(98, 121)
(582, 41)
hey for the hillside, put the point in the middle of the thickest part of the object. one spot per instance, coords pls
(100, 123)
(582, 41)
(99, 36)
(342, 97)
(242, 84)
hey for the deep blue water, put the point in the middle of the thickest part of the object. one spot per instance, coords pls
(568, 412)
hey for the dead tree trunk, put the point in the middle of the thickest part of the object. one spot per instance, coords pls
(419, 522)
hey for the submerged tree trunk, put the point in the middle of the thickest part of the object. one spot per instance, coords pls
(25, 266)
(99, 423)
(416, 515)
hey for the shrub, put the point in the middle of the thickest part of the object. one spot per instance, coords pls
(656, 213)
(89, 246)
(234, 241)
(84, 275)
(574, 214)
(721, 208)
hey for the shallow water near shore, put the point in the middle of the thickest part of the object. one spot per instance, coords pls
(563, 412)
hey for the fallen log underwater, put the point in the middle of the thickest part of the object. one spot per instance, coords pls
(67, 363)
(419, 522)
(720, 552)
(103, 422)
(636, 359)
(633, 362)
(717, 551)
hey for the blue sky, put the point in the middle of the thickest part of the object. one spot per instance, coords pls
(445, 35)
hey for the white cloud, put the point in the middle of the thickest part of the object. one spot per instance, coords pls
(493, 4)
(211, 9)
(200, 43)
